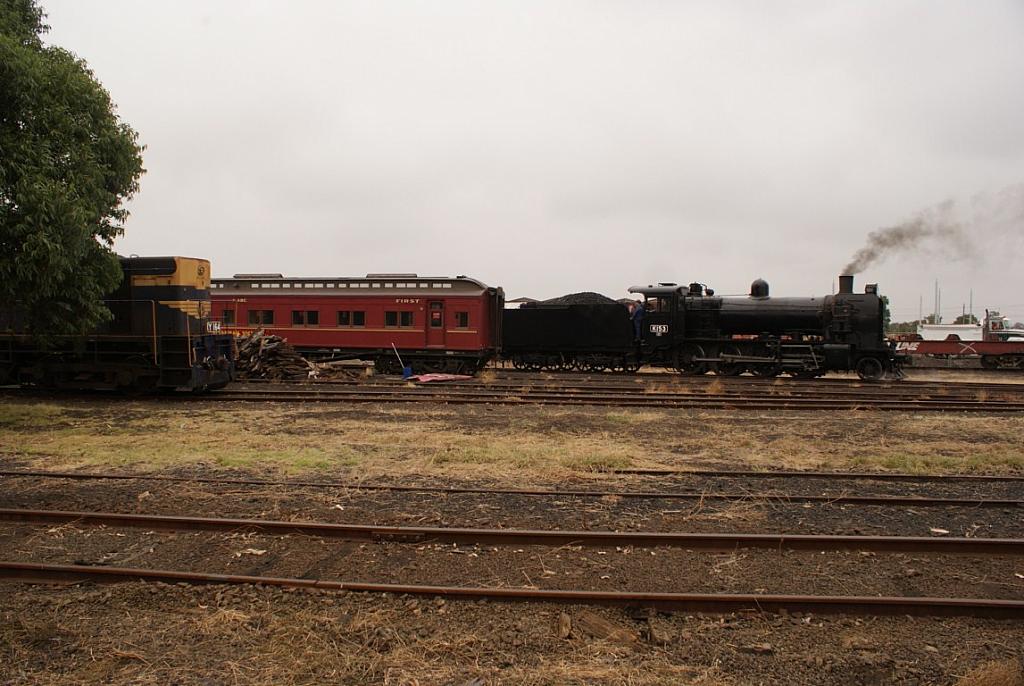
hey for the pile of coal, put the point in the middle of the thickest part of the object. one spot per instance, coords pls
(584, 298)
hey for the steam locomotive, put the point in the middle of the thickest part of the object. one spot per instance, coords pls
(694, 331)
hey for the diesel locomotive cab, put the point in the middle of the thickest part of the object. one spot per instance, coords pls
(159, 336)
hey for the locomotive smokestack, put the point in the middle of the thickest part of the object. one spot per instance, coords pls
(846, 283)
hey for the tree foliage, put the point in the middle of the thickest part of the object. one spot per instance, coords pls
(886, 314)
(67, 165)
(966, 319)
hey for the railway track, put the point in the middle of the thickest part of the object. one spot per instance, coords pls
(671, 384)
(497, 376)
(690, 602)
(526, 395)
(699, 496)
(507, 537)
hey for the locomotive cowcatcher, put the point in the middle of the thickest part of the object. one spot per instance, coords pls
(436, 324)
(160, 336)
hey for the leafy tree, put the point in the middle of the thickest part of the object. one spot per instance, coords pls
(966, 319)
(67, 164)
(902, 327)
(886, 315)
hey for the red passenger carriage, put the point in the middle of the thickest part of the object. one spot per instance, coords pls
(435, 323)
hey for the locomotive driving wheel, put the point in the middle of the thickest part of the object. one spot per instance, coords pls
(766, 370)
(729, 368)
(870, 369)
(687, 363)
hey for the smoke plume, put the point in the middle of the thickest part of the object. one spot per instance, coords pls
(937, 224)
(946, 229)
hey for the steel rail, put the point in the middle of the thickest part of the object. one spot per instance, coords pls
(422, 534)
(768, 474)
(837, 499)
(751, 381)
(779, 403)
(644, 400)
(657, 390)
(691, 602)
(683, 392)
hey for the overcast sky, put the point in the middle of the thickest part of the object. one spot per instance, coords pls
(553, 147)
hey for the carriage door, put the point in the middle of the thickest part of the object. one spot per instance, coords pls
(435, 324)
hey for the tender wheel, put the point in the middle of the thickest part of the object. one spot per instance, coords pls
(870, 369)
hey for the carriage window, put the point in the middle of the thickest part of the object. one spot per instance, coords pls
(228, 317)
(436, 315)
(349, 318)
(400, 319)
(305, 318)
(261, 317)
(462, 320)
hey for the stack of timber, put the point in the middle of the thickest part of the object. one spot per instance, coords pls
(261, 356)
(266, 356)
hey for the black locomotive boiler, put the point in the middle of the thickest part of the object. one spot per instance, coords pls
(694, 331)
(160, 336)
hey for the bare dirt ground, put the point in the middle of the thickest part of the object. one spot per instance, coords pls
(149, 633)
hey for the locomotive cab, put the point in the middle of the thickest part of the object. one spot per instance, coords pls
(662, 328)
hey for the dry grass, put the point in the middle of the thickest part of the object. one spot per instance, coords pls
(296, 440)
(1004, 673)
(128, 635)
(497, 443)
(633, 418)
(716, 387)
(32, 415)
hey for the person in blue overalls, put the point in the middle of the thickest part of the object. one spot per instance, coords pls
(638, 320)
